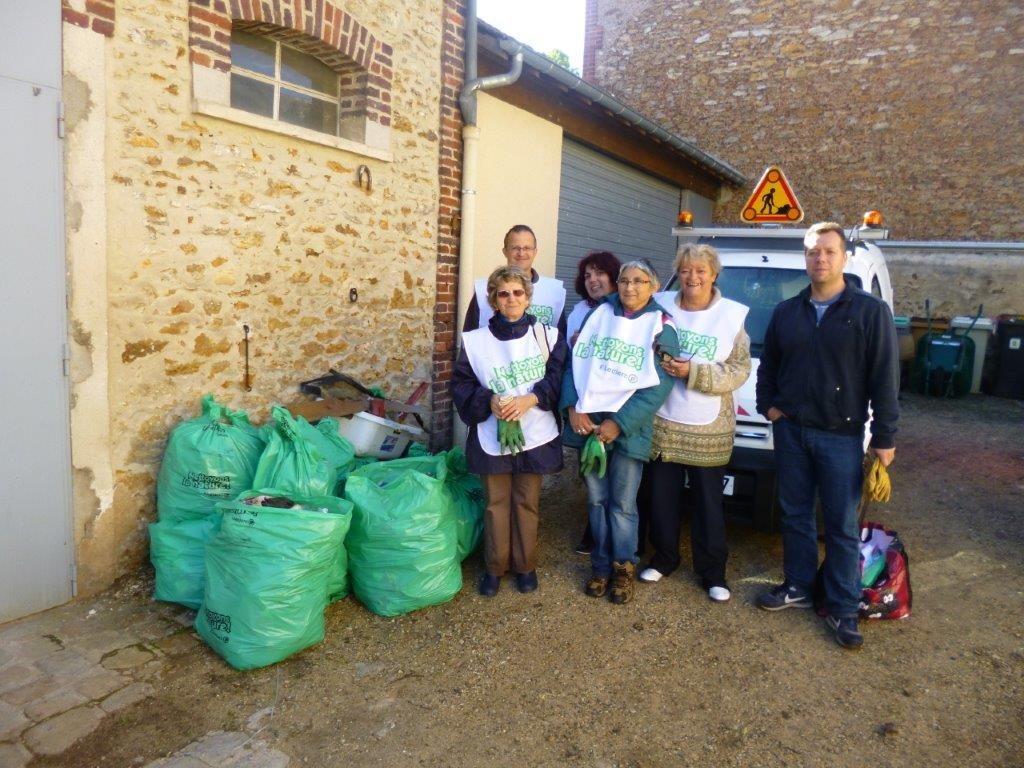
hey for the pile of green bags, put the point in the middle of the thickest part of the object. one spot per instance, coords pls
(253, 532)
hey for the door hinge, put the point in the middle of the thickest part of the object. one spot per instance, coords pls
(65, 359)
(60, 119)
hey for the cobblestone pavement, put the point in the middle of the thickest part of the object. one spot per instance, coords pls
(62, 671)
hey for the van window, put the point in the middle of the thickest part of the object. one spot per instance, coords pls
(761, 288)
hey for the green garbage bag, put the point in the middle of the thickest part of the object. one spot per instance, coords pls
(357, 462)
(297, 458)
(340, 453)
(208, 459)
(177, 549)
(269, 571)
(403, 544)
(469, 499)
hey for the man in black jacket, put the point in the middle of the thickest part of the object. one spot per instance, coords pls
(829, 353)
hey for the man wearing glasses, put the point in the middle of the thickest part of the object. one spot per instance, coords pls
(520, 250)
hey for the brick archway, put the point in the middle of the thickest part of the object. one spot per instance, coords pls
(320, 29)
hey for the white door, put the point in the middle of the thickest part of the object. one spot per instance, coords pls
(36, 547)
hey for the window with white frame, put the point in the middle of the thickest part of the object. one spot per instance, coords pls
(275, 80)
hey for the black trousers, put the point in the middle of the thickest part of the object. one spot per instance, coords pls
(709, 547)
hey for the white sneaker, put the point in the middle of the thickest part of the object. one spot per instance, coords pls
(650, 575)
(719, 594)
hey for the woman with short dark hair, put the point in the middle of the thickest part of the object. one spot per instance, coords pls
(595, 278)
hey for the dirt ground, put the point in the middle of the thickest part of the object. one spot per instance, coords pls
(559, 679)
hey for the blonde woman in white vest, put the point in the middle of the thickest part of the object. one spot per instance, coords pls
(511, 369)
(694, 428)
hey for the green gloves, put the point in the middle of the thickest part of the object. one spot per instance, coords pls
(510, 436)
(594, 457)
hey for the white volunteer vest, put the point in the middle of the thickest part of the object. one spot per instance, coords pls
(546, 305)
(613, 358)
(709, 336)
(575, 319)
(510, 368)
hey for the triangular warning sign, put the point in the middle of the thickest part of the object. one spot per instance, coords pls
(772, 200)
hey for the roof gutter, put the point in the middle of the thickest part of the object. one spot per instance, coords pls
(603, 98)
(467, 98)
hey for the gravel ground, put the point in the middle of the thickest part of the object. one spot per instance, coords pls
(555, 678)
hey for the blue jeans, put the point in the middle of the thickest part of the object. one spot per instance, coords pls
(611, 506)
(813, 460)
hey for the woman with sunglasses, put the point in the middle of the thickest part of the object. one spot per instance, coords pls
(610, 392)
(694, 428)
(510, 371)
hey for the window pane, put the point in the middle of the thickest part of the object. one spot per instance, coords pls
(300, 109)
(252, 52)
(252, 95)
(306, 71)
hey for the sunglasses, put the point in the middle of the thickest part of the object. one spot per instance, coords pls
(517, 292)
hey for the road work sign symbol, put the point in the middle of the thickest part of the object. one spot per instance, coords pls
(772, 201)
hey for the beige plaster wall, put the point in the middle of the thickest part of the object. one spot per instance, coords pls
(520, 162)
(956, 281)
(183, 227)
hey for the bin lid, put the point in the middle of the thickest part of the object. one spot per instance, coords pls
(983, 324)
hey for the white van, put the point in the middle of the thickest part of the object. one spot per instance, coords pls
(760, 268)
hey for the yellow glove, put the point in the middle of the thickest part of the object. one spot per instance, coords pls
(877, 485)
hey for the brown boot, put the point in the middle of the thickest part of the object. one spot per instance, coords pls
(596, 586)
(622, 582)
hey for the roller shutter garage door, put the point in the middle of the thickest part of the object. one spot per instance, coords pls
(605, 205)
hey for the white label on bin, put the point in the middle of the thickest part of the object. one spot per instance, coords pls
(1015, 343)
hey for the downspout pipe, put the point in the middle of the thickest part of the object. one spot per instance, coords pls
(470, 144)
(470, 141)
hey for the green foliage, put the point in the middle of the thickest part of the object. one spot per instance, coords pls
(561, 58)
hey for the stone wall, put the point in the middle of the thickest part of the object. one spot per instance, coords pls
(912, 107)
(183, 228)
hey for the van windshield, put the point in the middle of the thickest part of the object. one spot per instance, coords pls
(760, 289)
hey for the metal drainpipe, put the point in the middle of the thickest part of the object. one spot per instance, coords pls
(470, 141)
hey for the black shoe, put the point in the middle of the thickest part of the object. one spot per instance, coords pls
(526, 582)
(586, 545)
(847, 634)
(489, 585)
(783, 596)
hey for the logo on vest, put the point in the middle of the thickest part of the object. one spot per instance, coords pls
(507, 377)
(698, 344)
(544, 314)
(612, 350)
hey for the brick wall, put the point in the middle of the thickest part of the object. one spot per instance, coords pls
(450, 182)
(910, 107)
(97, 15)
